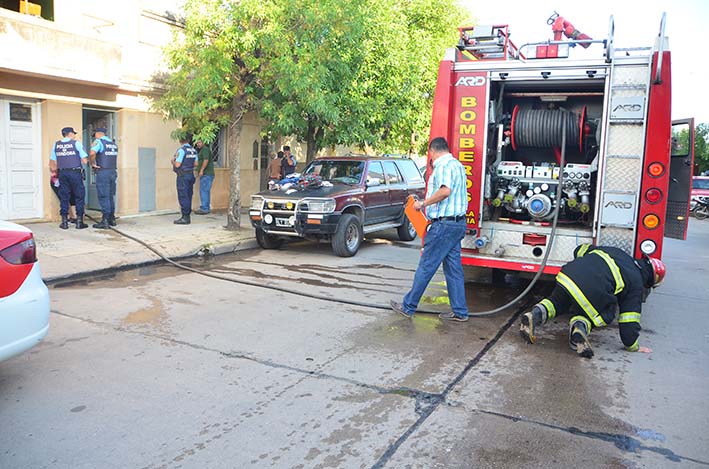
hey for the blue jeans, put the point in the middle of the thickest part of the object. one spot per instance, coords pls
(185, 185)
(441, 244)
(106, 190)
(205, 187)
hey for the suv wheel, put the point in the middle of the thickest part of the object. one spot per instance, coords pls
(348, 236)
(267, 241)
(406, 230)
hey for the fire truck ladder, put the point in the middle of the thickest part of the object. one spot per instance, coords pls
(628, 89)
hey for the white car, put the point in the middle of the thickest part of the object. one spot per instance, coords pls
(24, 298)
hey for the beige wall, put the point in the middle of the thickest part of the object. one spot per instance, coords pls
(55, 116)
(104, 54)
(145, 130)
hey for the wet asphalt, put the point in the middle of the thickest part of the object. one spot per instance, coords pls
(159, 367)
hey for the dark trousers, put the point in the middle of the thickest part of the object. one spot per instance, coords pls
(71, 184)
(185, 185)
(55, 189)
(106, 189)
(562, 301)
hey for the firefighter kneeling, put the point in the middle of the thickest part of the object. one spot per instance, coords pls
(592, 285)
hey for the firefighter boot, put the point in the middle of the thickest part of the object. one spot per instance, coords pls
(65, 223)
(530, 320)
(80, 225)
(112, 219)
(578, 339)
(103, 224)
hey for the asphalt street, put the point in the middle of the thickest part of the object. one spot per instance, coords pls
(159, 367)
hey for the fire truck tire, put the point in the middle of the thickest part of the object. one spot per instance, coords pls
(701, 212)
(406, 230)
(267, 241)
(348, 236)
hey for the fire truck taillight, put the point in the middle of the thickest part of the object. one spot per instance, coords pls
(653, 196)
(651, 221)
(648, 246)
(656, 169)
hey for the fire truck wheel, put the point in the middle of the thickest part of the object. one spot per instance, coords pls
(406, 230)
(348, 236)
(267, 241)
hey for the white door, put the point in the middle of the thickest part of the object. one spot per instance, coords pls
(20, 160)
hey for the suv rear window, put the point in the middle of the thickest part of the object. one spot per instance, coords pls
(411, 172)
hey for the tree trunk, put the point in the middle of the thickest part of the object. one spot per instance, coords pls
(310, 142)
(233, 214)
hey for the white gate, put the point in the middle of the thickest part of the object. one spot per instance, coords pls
(20, 160)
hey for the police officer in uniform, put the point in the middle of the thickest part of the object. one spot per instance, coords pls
(598, 280)
(183, 163)
(104, 156)
(67, 156)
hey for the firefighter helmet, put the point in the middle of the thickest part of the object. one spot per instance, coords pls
(658, 270)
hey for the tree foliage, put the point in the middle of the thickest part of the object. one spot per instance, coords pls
(680, 144)
(352, 72)
(213, 60)
(701, 147)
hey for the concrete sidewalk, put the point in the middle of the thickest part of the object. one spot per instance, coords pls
(66, 253)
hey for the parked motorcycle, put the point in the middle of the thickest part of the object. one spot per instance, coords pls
(700, 207)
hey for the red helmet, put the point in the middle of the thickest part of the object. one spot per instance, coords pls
(658, 270)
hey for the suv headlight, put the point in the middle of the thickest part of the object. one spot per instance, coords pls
(320, 205)
(256, 202)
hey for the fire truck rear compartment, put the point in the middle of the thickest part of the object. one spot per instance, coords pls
(522, 168)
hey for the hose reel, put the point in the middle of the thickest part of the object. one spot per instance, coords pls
(542, 128)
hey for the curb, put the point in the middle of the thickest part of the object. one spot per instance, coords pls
(207, 249)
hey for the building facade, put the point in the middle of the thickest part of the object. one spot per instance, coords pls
(71, 63)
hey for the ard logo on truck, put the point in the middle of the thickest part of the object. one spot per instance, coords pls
(619, 204)
(470, 81)
(628, 108)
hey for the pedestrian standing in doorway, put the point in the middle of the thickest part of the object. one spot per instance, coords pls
(274, 167)
(288, 163)
(183, 163)
(445, 203)
(205, 167)
(104, 159)
(67, 156)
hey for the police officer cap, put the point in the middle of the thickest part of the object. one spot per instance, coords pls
(68, 130)
(101, 129)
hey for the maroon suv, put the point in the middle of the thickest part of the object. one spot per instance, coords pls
(358, 195)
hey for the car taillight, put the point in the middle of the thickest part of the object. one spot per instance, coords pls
(24, 252)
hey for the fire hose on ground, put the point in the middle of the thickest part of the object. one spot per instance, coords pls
(367, 304)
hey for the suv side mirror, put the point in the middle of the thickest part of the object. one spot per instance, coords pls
(373, 182)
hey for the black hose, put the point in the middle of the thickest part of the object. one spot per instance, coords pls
(552, 236)
(543, 128)
(363, 303)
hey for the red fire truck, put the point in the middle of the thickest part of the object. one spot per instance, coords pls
(505, 111)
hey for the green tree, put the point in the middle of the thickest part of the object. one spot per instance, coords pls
(356, 73)
(213, 81)
(351, 72)
(701, 147)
